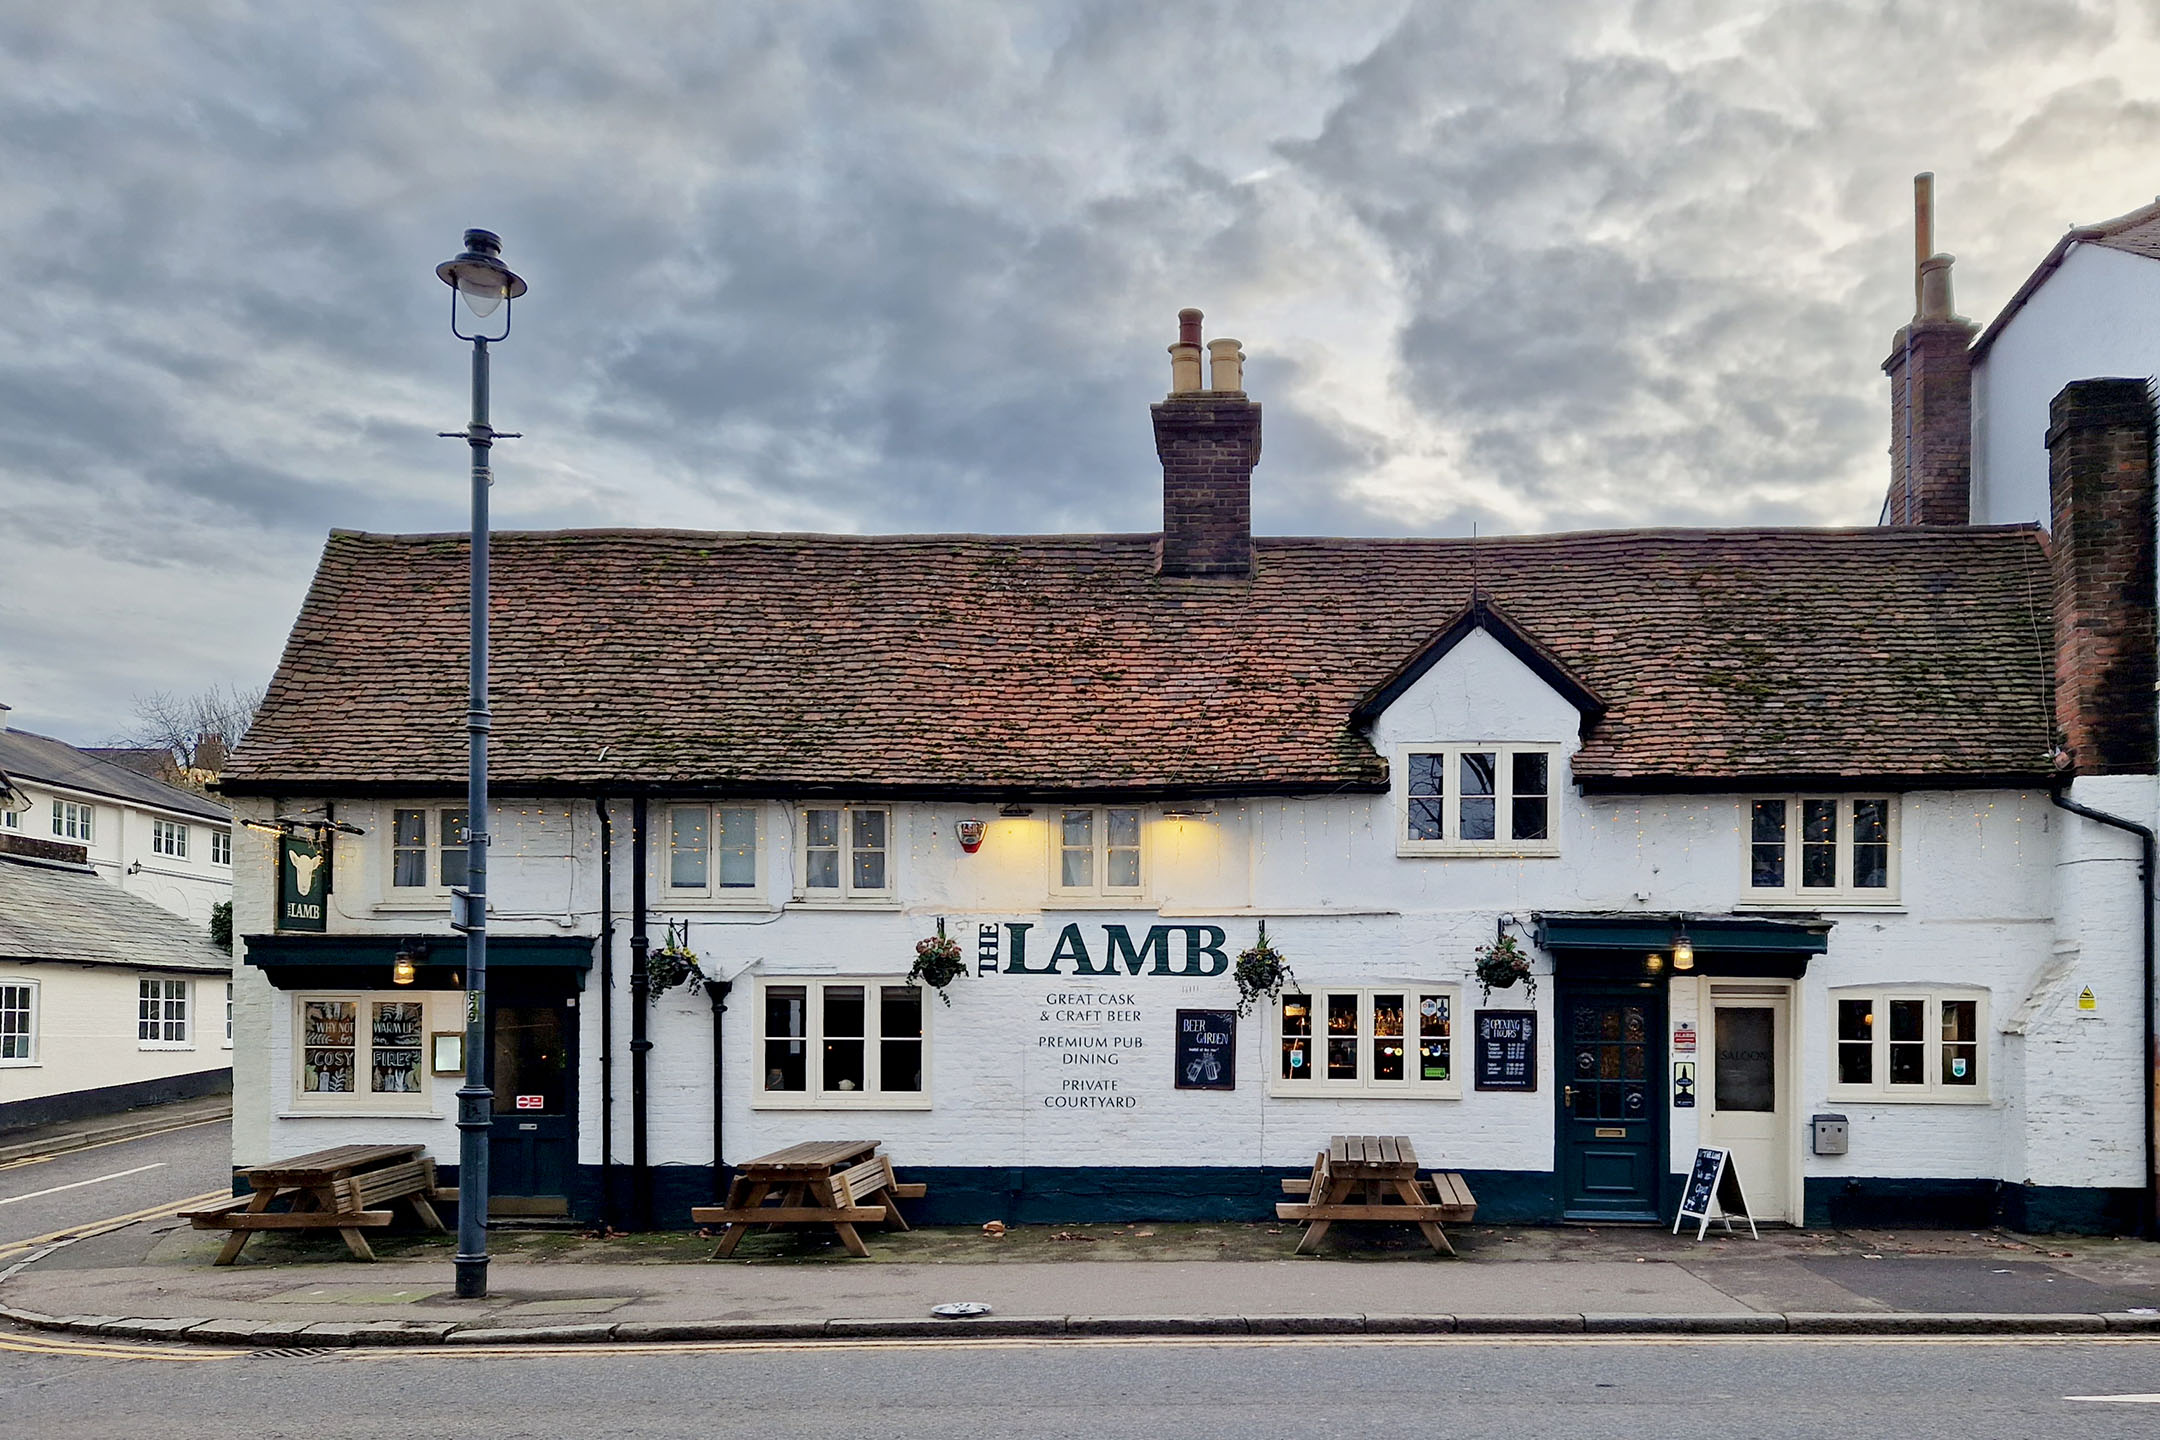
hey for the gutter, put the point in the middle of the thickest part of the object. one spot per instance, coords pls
(2149, 1220)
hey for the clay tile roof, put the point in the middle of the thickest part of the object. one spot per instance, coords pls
(972, 666)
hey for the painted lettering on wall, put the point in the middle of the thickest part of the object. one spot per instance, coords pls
(1199, 957)
(1082, 1054)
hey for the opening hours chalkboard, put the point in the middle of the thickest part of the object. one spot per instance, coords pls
(1712, 1181)
(1206, 1049)
(1505, 1055)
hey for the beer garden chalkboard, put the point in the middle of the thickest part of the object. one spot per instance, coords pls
(1206, 1049)
(1505, 1057)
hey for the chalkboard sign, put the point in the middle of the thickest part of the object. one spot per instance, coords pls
(1713, 1180)
(1506, 1054)
(1206, 1049)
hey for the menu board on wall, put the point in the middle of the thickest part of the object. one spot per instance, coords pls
(1206, 1050)
(1506, 1050)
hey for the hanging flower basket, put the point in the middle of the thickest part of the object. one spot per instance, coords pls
(1501, 964)
(674, 966)
(1261, 973)
(937, 963)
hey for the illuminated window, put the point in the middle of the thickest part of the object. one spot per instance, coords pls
(1396, 1041)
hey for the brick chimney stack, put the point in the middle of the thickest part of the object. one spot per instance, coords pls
(1930, 370)
(1209, 441)
(2100, 488)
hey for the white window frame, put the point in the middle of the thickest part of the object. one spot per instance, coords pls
(11, 819)
(431, 843)
(1934, 1091)
(221, 847)
(1451, 842)
(360, 1100)
(1410, 1087)
(751, 895)
(169, 989)
(29, 1011)
(1844, 894)
(1100, 847)
(847, 892)
(813, 1096)
(73, 821)
(168, 838)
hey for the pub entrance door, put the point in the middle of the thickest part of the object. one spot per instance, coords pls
(1610, 1130)
(1747, 1091)
(532, 1052)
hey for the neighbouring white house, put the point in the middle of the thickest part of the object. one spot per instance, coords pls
(1792, 827)
(164, 844)
(107, 1002)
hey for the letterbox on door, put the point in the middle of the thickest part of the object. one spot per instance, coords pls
(1830, 1134)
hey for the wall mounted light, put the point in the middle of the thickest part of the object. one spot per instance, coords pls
(1653, 962)
(1015, 811)
(1683, 952)
(405, 969)
(1189, 810)
(971, 834)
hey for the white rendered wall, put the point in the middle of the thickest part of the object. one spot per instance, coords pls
(2097, 316)
(86, 1035)
(120, 840)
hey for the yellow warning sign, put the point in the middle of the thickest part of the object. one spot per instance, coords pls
(2086, 1000)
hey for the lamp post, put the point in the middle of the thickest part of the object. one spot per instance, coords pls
(483, 284)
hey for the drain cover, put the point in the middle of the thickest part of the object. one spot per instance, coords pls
(960, 1310)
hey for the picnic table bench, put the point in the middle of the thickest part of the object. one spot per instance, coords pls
(841, 1183)
(1374, 1178)
(345, 1188)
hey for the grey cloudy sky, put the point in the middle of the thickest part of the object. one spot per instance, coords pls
(912, 266)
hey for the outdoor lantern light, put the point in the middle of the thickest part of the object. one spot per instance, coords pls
(1683, 952)
(1653, 962)
(479, 274)
(405, 968)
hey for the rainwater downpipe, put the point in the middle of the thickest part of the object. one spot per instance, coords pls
(2149, 1220)
(607, 1012)
(717, 992)
(641, 1199)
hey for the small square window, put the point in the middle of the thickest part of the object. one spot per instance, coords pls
(841, 1045)
(18, 1022)
(428, 849)
(161, 1014)
(846, 853)
(1099, 850)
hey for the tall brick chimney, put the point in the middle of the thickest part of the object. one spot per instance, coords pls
(1209, 441)
(1930, 370)
(2100, 487)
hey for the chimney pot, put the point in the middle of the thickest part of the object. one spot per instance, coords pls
(1935, 301)
(1185, 355)
(1226, 366)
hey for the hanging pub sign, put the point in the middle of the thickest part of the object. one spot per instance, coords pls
(1206, 1051)
(1505, 1057)
(303, 884)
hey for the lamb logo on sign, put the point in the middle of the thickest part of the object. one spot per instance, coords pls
(1198, 956)
(303, 884)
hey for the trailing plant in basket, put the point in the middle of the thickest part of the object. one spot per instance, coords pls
(937, 962)
(674, 965)
(1501, 964)
(1261, 973)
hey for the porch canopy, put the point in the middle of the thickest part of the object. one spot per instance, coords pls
(1619, 944)
(313, 962)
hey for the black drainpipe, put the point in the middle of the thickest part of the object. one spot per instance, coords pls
(607, 1013)
(641, 1198)
(2149, 1221)
(717, 991)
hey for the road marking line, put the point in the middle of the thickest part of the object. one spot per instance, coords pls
(123, 1140)
(91, 1349)
(2119, 1399)
(78, 1184)
(89, 1228)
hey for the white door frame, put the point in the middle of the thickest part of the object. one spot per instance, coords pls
(1788, 1081)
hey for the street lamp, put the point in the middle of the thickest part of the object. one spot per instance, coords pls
(483, 284)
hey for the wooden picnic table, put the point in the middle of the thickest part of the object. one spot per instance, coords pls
(343, 1188)
(1374, 1178)
(841, 1183)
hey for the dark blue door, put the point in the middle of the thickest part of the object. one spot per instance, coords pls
(1611, 1124)
(532, 1052)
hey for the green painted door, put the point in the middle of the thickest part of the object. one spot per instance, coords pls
(1610, 1058)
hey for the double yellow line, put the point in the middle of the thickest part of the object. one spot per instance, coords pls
(106, 1350)
(15, 1249)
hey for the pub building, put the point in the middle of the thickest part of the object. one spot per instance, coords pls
(1789, 825)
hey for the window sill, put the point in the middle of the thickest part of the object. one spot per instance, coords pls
(1058, 901)
(1827, 901)
(828, 1102)
(357, 1112)
(164, 1045)
(22, 1064)
(1879, 1097)
(882, 902)
(752, 902)
(1474, 850)
(438, 904)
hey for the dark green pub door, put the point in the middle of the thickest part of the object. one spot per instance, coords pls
(1610, 1131)
(532, 1049)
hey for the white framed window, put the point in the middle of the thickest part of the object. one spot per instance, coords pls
(228, 1013)
(842, 1044)
(1396, 1041)
(11, 819)
(221, 847)
(71, 821)
(360, 1051)
(1817, 849)
(427, 849)
(845, 853)
(161, 1015)
(18, 1022)
(712, 852)
(1477, 800)
(168, 837)
(1909, 1043)
(1099, 850)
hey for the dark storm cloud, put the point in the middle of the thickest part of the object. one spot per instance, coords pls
(912, 266)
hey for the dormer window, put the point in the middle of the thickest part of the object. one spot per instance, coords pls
(1487, 799)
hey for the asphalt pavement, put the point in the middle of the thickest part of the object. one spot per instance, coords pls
(1526, 1389)
(45, 1192)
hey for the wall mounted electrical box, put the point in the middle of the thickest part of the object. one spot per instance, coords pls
(1830, 1134)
